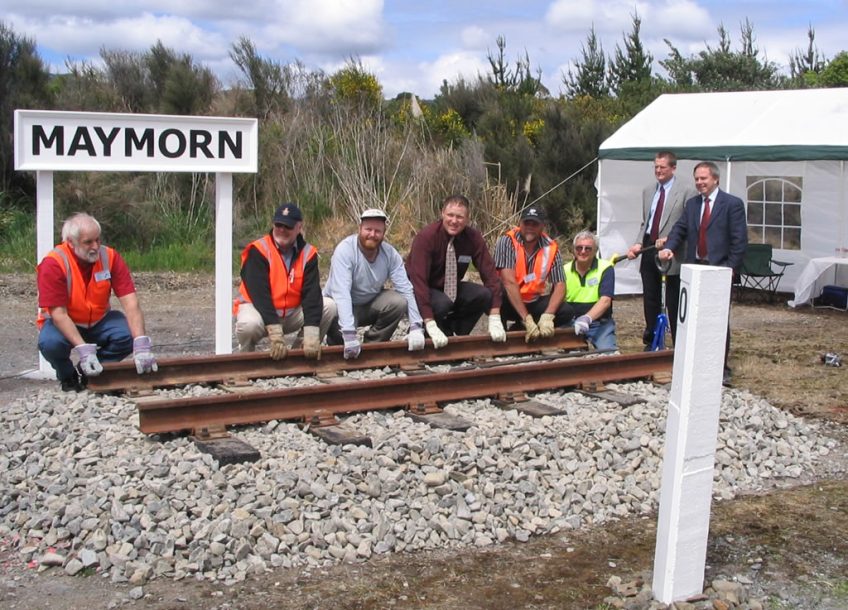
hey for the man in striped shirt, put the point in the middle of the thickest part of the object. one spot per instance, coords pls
(528, 260)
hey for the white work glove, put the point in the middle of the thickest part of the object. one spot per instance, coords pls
(436, 334)
(311, 343)
(145, 361)
(496, 328)
(581, 325)
(278, 342)
(88, 362)
(415, 338)
(531, 329)
(352, 346)
(546, 325)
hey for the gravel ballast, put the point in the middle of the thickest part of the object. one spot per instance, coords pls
(83, 490)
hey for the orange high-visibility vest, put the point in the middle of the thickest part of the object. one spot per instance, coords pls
(532, 285)
(286, 287)
(87, 303)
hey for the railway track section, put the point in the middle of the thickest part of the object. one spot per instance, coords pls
(239, 368)
(420, 394)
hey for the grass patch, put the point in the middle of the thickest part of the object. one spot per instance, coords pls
(17, 240)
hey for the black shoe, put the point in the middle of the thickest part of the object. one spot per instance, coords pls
(72, 384)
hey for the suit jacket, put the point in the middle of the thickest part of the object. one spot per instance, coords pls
(727, 231)
(675, 199)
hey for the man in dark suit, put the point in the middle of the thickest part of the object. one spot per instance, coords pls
(715, 229)
(662, 205)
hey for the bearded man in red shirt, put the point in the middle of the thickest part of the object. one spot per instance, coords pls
(75, 282)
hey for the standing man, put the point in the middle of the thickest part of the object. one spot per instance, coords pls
(75, 282)
(361, 265)
(528, 259)
(715, 230)
(662, 205)
(590, 289)
(436, 265)
(280, 290)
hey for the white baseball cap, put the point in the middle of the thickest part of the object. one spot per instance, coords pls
(373, 213)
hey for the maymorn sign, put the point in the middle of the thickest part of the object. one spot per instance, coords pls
(99, 141)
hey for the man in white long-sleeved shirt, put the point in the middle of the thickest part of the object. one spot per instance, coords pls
(359, 269)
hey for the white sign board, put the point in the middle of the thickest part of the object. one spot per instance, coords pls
(48, 141)
(99, 141)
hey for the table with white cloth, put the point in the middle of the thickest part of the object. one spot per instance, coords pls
(818, 273)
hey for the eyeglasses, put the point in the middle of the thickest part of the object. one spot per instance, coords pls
(583, 248)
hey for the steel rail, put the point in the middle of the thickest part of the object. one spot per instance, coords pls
(322, 401)
(122, 376)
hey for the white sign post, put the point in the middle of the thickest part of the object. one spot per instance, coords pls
(48, 141)
(691, 432)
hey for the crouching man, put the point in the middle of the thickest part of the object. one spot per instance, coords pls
(75, 282)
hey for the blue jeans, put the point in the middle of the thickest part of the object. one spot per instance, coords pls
(111, 334)
(602, 334)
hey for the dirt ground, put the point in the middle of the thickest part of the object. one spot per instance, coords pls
(790, 545)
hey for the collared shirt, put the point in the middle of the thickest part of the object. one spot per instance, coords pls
(425, 264)
(354, 280)
(53, 287)
(505, 256)
(255, 273)
(712, 197)
(666, 187)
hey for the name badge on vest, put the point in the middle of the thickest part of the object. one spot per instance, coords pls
(593, 281)
(463, 259)
(530, 277)
(102, 275)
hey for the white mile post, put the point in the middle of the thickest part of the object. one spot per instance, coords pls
(691, 431)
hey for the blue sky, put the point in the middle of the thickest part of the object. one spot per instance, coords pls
(413, 45)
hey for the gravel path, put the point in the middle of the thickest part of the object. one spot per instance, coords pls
(82, 488)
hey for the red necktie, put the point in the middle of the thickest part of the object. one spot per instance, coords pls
(655, 222)
(702, 230)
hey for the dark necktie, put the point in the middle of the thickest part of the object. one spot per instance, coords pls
(702, 230)
(655, 223)
(450, 271)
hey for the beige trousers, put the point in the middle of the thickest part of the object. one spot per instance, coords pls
(250, 329)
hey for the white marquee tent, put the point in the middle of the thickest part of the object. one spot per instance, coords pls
(783, 152)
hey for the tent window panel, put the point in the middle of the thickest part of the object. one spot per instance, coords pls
(791, 194)
(774, 210)
(773, 236)
(774, 214)
(755, 191)
(755, 213)
(792, 215)
(755, 234)
(792, 239)
(774, 190)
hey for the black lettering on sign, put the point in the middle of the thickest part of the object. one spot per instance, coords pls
(682, 305)
(56, 138)
(181, 143)
(133, 142)
(81, 141)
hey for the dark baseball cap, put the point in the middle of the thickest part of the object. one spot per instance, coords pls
(533, 213)
(288, 214)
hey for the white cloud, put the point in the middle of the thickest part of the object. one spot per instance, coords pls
(475, 37)
(450, 67)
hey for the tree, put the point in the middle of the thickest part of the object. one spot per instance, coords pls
(835, 73)
(722, 69)
(267, 79)
(128, 73)
(633, 63)
(803, 66)
(354, 84)
(23, 84)
(520, 79)
(589, 77)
